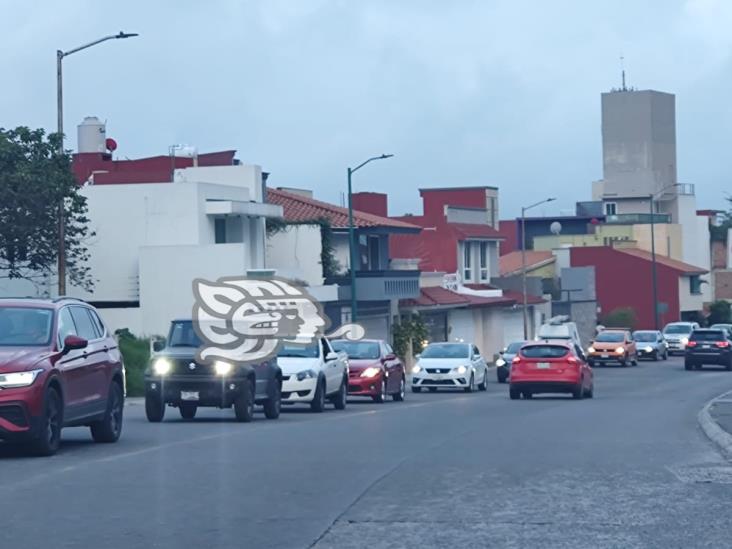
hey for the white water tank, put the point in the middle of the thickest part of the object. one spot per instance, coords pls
(91, 135)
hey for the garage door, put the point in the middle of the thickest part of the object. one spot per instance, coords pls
(513, 326)
(377, 327)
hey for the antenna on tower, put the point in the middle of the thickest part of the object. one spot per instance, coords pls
(622, 72)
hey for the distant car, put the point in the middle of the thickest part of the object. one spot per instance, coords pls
(727, 327)
(559, 328)
(175, 378)
(551, 367)
(450, 366)
(314, 374)
(59, 367)
(503, 364)
(374, 370)
(708, 347)
(650, 344)
(677, 335)
(613, 347)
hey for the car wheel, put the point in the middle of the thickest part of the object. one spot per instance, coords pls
(381, 397)
(273, 405)
(624, 363)
(635, 361)
(471, 386)
(244, 403)
(109, 429)
(688, 365)
(528, 394)
(433, 389)
(341, 398)
(399, 397)
(318, 403)
(187, 410)
(154, 408)
(514, 393)
(484, 385)
(500, 378)
(578, 392)
(48, 438)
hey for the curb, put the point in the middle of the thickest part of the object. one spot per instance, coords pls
(713, 431)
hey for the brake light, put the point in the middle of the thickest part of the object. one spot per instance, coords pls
(573, 360)
(723, 344)
(691, 344)
(516, 360)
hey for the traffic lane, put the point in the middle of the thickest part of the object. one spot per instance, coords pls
(270, 483)
(627, 469)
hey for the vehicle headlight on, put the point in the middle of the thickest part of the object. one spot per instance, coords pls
(648, 349)
(620, 351)
(162, 366)
(416, 369)
(591, 350)
(684, 340)
(18, 379)
(223, 368)
(500, 362)
(306, 374)
(461, 369)
(370, 372)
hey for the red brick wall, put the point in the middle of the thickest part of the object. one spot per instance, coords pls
(435, 200)
(373, 203)
(509, 231)
(723, 284)
(719, 255)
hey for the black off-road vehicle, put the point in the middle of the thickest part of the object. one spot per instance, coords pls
(175, 378)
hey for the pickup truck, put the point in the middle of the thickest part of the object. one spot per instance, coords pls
(175, 378)
(312, 374)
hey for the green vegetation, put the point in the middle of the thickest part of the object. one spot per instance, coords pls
(412, 328)
(331, 266)
(720, 312)
(136, 355)
(622, 317)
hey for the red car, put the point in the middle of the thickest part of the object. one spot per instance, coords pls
(59, 367)
(551, 367)
(374, 370)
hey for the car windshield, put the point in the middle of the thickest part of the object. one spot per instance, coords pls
(707, 335)
(544, 351)
(23, 326)
(514, 347)
(678, 329)
(645, 336)
(446, 350)
(298, 351)
(358, 349)
(610, 337)
(182, 334)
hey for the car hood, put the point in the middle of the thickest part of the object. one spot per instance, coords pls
(14, 359)
(677, 337)
(443, 362)
(293, 365)
(360, 364)
(607, 346)
(644, 344)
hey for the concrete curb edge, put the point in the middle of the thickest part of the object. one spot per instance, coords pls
(712, 430)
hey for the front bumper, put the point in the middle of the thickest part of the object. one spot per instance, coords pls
(446, 381)
(212, 391)
(607, 358)
(653, 353)
(365, 386)
(294, 391)
(21, 410)
(676, 346)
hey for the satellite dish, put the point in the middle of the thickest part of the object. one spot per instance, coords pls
(555, 227)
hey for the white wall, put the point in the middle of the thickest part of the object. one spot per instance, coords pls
(513, 325)
(460, 325)
(339, 241)
(295, 253)
(687, 300)
(130, 318)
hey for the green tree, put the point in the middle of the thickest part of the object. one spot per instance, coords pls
(34, 179)
(622, 317)
(410, 327)
(720, 312)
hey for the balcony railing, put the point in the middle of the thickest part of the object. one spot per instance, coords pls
(378, 285)
(637, 219)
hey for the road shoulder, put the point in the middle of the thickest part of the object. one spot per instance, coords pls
(715, 419)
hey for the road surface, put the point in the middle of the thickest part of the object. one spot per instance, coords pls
(627, 469)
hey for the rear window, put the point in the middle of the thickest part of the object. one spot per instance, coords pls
(708, 335)
(544, 351)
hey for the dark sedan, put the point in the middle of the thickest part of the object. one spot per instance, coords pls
(708, 347)
(503, 363)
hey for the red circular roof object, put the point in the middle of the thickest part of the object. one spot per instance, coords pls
(595, 221)
(111, 144)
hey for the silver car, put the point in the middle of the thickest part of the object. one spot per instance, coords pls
(677, 335)
(650, 344)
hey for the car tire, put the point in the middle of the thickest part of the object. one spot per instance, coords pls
(514, 393)
(471, 385)
(528, 395)
(109, 429)
(484, 385)
(48, 438)
(624, 363)
(341, 398)
(318, 403)
(154, 408)
(187, 410)
(381, 397)
(273, 405)
(416, 389)
(590, 363)
(578, 392)
(244, 403)
(500, 378)
(433, 389)
(634, 362)
(399, 397)
(688, 365)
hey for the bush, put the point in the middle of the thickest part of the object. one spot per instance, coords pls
(136, 355)
(622, 317)
(719, 312)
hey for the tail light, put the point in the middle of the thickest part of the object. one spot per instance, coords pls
(691, 344)
(722, 344)
(516, 360)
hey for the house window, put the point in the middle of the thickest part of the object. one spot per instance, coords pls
(467, 271)
(695, 284)
(483, 261)
(220, 230)
(611, 208)
(374, 263)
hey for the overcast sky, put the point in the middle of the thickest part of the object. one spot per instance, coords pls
(487, 92)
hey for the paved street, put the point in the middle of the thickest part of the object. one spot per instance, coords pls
(628, 469)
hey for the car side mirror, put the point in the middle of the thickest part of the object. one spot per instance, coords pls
(390, 356)
(73, 342)
(331, 356)
(158, 345)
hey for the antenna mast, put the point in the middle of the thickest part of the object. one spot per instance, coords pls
(622, 72)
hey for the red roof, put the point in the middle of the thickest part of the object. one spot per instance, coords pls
(511, 263)
(433, 296)
(301, 208)
(680, 266)
(475, 230)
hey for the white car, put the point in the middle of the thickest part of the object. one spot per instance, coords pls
(677, 335)
(312, 374)
(450, 366)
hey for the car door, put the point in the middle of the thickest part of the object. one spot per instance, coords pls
(661, 343)
(95, 370)
(332, 372)
(70, 366)
(262, 374)
(392, 366)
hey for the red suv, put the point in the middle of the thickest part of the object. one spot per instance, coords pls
(59, 367)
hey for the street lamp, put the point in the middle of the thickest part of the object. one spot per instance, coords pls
(60, 130)
(652, 199)
(351, 233)
(524, 209)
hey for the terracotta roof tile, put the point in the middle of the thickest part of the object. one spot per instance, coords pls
(679, 266)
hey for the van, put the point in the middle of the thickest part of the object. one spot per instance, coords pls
(559, 327)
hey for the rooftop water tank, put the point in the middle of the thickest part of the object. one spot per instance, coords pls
(91, 135)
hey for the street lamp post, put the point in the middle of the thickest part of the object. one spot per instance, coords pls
(60, 130)
(524, 209)
(652, 199)
(352, 234)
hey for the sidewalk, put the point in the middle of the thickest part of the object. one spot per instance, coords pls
(715, 420)
(721, 412)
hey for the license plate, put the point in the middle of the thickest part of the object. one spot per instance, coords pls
(438, 376)
(705, 346)
(543, 365)
(605, 355)
(189, 395)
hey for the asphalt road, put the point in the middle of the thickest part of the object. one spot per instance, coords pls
(628, 469)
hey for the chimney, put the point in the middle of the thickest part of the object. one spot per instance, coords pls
(373, 203)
